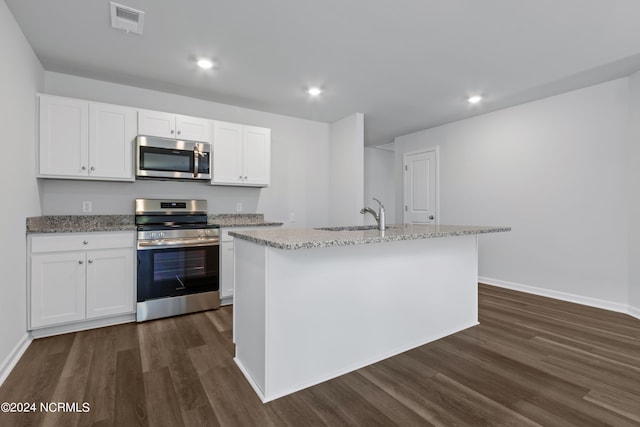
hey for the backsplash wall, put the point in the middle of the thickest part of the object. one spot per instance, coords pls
(299, 161)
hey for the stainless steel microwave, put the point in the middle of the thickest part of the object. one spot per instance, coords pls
(170, 158)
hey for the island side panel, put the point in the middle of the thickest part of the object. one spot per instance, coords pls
(335, 309)
(249, 311)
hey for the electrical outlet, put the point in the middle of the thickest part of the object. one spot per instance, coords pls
(238, 207)
(86, 206)
(292, 217)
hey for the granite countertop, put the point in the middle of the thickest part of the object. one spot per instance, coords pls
(240, 220)
(304, 238)
(98, 223)
(80, 223)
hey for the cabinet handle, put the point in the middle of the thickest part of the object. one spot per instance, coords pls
(85, 242)
(90, 261)
(80, 262)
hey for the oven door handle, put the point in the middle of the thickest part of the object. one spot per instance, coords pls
(178, 243)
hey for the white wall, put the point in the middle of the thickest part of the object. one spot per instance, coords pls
(299, 165)
(21, 76)
(634, 217)
(555, 170)
(379, 182)
(346, 176)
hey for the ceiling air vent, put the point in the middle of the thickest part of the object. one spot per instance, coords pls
(126, 18)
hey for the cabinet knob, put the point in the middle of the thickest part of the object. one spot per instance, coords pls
(179, 132)
(90, 261)
(80, 262)
(84, 168)
(240, 177)
(93, 168)
(85, 242)
(171, 131)
(245, 177)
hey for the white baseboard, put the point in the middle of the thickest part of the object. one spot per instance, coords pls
(578, 299)
(635, 312)
(82, 326)
(12, 359)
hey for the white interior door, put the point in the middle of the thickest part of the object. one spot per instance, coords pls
(421, 187)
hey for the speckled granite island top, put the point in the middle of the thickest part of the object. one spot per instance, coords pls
(305, 238)
(103, 223)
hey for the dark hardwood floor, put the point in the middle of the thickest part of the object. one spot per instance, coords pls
(531, 361)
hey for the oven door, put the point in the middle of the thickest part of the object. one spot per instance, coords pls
(175, 271)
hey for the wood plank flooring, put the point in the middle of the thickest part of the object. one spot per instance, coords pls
(531, 361)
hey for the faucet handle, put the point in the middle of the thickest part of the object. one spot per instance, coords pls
(379, 202)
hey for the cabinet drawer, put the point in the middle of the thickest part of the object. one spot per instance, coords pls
(80, 241)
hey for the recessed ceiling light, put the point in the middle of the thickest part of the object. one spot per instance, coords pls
(474, 99)
(314, 91)
(205, 63)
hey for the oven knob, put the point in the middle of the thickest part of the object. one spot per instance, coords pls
(154, 235)
(200, 233)
(162, 234)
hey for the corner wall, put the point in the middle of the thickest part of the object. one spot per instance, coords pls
(379, 182)
(346, 171)
(21, 76)
(634, 196)
(556, 170)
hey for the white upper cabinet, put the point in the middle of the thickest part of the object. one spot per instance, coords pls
(112, 129)
(257, 156)
(241, 155)
(176, 126)
(227, 153)
(85, 140)
(64, 137)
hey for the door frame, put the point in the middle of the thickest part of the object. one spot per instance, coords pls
(405, 177)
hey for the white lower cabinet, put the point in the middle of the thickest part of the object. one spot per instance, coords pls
(80, 276)
(109, 282)
(57, 288)
(227, 275)
(227, 267)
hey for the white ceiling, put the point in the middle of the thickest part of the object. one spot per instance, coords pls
(406, 64)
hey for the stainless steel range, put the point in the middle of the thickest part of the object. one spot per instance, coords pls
(178, 258)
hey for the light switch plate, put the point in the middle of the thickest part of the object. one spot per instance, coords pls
(86, 206)
(292, 217)
(238, 207)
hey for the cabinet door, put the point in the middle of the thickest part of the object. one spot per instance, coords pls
(227, 274)
(257, 156)
(156, 123)
(110, 282)
(64, 137)
(112, 130)
(227, 153)
(193, 129)
(57, 288)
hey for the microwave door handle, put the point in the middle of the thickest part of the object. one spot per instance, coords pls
(196, 165)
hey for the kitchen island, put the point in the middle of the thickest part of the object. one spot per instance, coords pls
(313, 304)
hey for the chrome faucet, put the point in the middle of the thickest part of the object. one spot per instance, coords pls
(378, 216)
